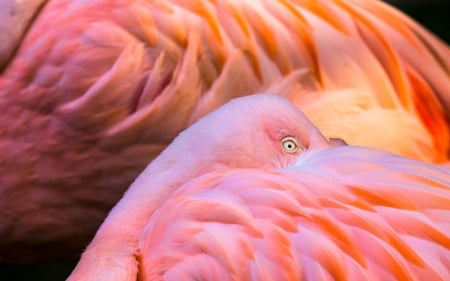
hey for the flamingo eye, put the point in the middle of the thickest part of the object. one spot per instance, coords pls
(290, 144)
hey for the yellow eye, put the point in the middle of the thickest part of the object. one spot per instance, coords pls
(290, 144)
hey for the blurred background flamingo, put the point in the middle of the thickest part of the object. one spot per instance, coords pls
(88, 92)
(259, 195)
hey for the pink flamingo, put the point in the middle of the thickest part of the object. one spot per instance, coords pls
(253, 191)
(92, 91)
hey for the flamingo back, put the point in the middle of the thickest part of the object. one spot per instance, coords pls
(343, 213)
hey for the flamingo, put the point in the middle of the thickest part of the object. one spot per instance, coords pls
(92, 91)
(253, 191)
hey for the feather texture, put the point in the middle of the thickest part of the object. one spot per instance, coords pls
(95, 90)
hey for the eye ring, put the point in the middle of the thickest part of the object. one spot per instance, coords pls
(290, 144)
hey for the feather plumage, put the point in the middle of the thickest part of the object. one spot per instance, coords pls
(92, 83)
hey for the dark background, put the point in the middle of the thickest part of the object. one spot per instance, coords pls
(433, 14)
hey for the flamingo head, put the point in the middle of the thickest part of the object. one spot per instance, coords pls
(255, 131)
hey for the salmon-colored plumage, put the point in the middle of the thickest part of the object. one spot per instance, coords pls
(229, 200)
(92, 91)
(345, 213)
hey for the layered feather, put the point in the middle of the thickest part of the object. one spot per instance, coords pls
(344, 213)
(94, 90)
